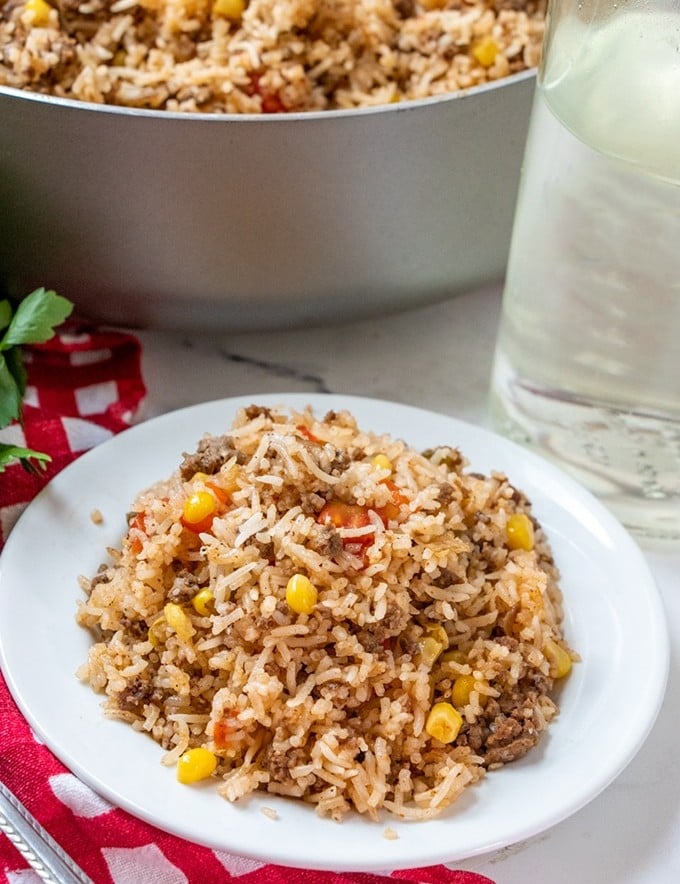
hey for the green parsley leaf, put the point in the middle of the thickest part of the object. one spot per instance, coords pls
(33, 322)
(11, 398)
(35, 318)
(31, 461)
(5, 314)
(15, 364)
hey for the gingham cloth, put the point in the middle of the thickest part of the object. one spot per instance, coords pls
(84, 386)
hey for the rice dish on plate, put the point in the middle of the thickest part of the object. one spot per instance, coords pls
(315, 611)
(263, 56)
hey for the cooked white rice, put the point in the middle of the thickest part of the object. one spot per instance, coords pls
(253, 56)
(424, 596)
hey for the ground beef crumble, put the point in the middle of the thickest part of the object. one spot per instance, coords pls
(509, 727)
(211, 454)
(328, 542)
(137, 694)
(184, 587)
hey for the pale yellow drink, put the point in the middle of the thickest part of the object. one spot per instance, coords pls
(588, 358)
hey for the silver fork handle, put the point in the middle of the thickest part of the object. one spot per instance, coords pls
(47, 858)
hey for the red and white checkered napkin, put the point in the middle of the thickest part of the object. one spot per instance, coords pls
(84, 386)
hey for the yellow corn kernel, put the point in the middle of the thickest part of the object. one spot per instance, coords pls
(382, 462)
(438, 633)
(558, 658)
(156, 631)
(462, 687)
(196, 764)
(214, 483)
(199, 506)
(485, 51)
(520, 532)
(232, 9)
(41, 12)
(203, 602)
(430, 649)
(444, 722)
(301, 594)
(178, 620)
(454, 656)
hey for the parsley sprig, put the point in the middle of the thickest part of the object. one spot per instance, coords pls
(33, 321)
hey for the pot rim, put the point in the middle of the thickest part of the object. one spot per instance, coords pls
(53, 101)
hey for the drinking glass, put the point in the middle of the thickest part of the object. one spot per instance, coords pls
(587, 363)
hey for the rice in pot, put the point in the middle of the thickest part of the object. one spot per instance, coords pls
(327, 614)
(253, 56)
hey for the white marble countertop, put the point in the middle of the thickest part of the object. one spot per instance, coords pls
(439, 357)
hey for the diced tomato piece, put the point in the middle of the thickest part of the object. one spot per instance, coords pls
(221, 732)
(349, 515)
(307, 433)
(346, 515)
(220, 493)
(271, 103)
(360, 550)
(199, 527)
(138, 523)
(392, 508)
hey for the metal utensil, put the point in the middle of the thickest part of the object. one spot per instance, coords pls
(35, 844)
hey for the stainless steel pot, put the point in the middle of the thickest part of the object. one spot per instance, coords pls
(237, 222)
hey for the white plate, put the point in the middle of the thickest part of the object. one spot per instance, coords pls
(614, 618)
